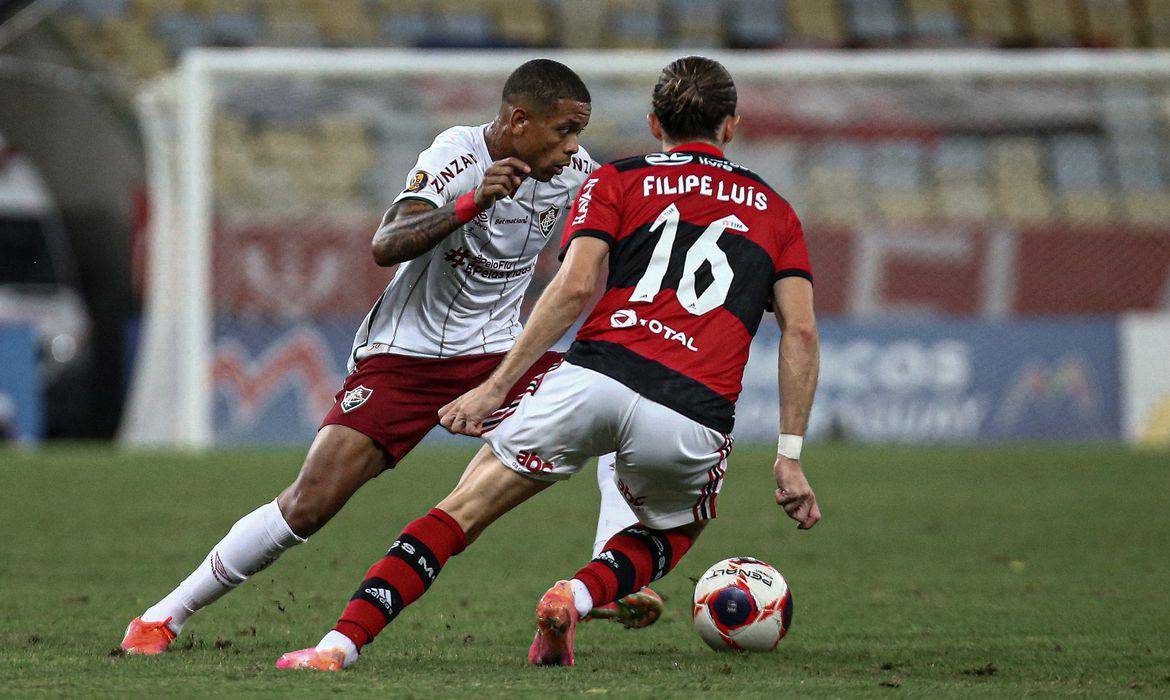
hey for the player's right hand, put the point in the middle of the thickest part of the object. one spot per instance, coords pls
(794, 494)
(501, 179)
(465, 415)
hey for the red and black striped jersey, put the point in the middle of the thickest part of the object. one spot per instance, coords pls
(696, 243)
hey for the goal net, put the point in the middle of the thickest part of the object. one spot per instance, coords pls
(957, 184)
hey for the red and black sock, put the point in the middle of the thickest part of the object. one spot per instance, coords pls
(401, 577)
(631, 559)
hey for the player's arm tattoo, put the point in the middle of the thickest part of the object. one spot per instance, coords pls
(411, 228)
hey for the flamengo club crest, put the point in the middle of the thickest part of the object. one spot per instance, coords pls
(547, 219)
(355, 397)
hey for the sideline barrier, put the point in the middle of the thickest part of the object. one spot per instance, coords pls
(923, 381)
(949, 381)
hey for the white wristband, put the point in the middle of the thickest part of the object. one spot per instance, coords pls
(789, 445)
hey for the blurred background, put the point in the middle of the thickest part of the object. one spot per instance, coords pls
(184, 236)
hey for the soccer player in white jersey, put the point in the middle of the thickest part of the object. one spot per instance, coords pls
(477, 209)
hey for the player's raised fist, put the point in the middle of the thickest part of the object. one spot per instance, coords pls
(501, 179)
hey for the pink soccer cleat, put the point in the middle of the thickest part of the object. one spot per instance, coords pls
(635, 611)
(556, 621)
(147, 638)
(312, 659)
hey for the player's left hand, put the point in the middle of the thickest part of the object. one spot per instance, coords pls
(465, 415)
(794, 494)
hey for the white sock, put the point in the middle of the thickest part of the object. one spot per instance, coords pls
(254, 542)
(582, 600)
(615, 515)
(337, 640)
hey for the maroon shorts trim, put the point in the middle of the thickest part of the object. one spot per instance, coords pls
(395, 399)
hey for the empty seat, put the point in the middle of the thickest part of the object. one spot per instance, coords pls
(344, 22)
(1149, 207)
(97, 10)
(816, 22)
(959, 167)
(873, 22)
(285, 27)
(181, 31)
(634, 24)
(993, 22)
(960, 159)
(1109, 23)
(463, 23)
(779, 162)
(1139, 164)
(1088, 206)
(963, 200)
(755, 23)
(897, 173)
(235, 29)
(579, 25)
(835, 193)
(523, 22)
(404, 22)
(1158, 22)
(1051, 22)
(1080, 177)
(1019, 179)
(933, 22)
(695, 23)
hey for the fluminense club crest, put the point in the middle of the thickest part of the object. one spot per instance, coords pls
(547, 219)
(355, 397)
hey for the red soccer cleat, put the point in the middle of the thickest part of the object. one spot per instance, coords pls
(312, 659)
(556, 621)
(635, 611)
(147, 638)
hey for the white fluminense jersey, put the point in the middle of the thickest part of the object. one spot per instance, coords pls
(463, 296)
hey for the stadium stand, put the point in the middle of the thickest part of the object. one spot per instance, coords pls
(116, 31)
(850, 155)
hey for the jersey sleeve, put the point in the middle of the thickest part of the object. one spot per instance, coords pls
(595, 212)
(793, 259)
(441, 174)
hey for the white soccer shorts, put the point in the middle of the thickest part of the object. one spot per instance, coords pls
(669, 467)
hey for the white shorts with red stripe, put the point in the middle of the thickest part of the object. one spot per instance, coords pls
(669, 467)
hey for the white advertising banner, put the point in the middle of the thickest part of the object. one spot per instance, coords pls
(1145, 367)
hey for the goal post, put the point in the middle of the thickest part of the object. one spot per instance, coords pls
(930, 183)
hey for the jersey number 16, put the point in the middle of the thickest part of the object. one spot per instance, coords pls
(706, 248)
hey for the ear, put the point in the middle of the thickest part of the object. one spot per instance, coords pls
(518, 120)
(655, 126)
(727, 130)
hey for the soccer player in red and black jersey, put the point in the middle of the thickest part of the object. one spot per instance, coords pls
(697, 248)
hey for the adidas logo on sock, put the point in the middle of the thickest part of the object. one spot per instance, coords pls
(382, 596)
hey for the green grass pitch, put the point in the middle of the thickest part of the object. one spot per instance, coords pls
(937, 572)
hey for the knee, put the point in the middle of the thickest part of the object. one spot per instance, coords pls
(306, 506)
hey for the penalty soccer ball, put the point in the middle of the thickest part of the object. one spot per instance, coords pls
(742, 604)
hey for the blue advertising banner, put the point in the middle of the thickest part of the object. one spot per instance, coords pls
(274, 382)
(881, 381)
(21, 413)
(948, 381)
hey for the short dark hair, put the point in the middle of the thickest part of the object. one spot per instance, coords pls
(693, 97)
(542, 83)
